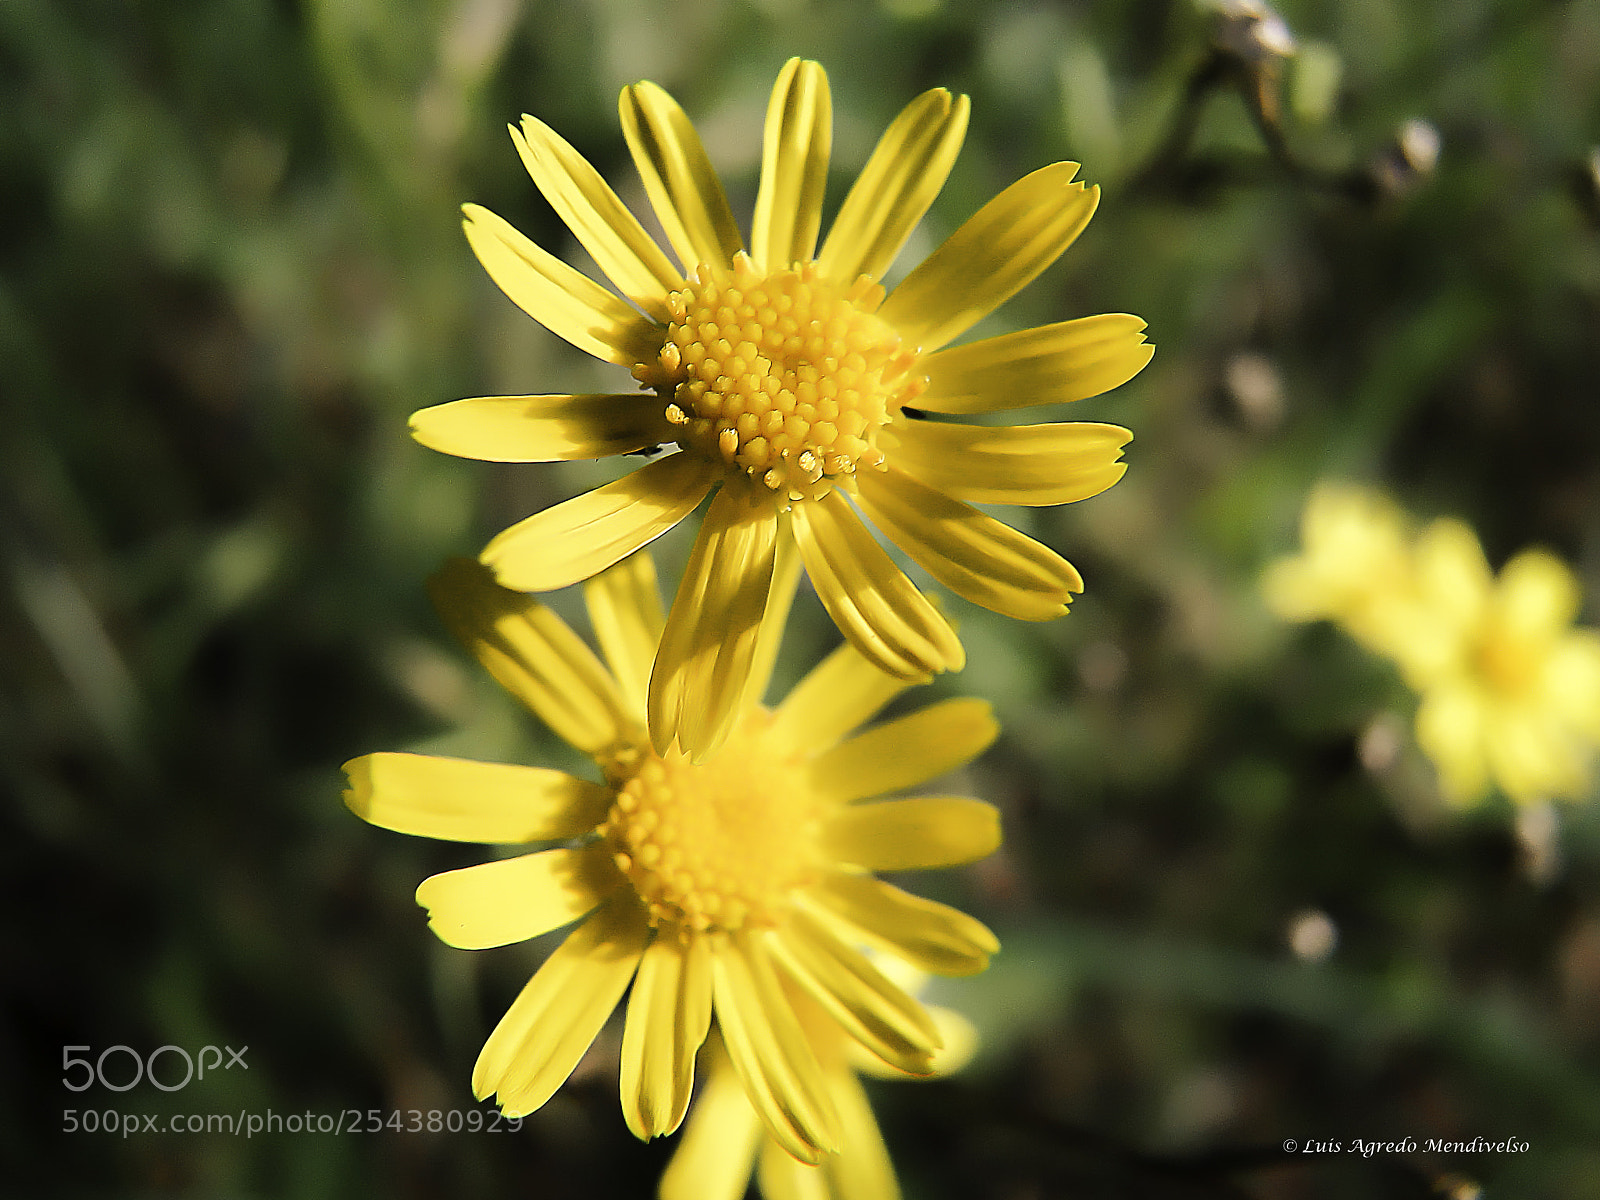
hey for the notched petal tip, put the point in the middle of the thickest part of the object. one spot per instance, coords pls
(426, 897)
(358, 796)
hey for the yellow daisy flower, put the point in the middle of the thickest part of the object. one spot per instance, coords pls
(1353, 567)
(703, 885)
(1510, 689)
(723, 1143)
(788, 382)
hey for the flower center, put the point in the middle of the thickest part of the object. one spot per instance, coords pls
(1508, 662)
(786, 377)
(720, 844)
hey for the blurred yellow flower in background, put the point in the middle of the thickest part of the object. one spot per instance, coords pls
(702, 885)
(789, 384)
(723, 1142)
(1509, 689)
(1352, 567)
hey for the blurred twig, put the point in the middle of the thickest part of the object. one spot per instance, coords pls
(1249, 48)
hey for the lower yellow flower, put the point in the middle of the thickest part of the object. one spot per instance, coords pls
(723, 1143)
(1510, 690)
(709, 887)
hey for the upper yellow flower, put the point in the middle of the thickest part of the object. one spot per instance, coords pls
(722, 1142)
(788, 377)
(702, 884)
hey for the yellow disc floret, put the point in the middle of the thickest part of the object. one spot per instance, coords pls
(1510, 663)
(785, 378)
(721, 844)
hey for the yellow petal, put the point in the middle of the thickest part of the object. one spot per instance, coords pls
(554, 1020)
(669, 1013)
(998, 252)
(1572, 681)
(968, 551)
(1451, 728)
(713, 627)
(624, 605)
(860, 998)
(514, 899)
(841, 692)
(862, 1170)
(1537, 597)
(543, 428)
(678, 177)
(1059, 463)
(565, 301)
(461, 801)
(769, 1050)
(912, 835)
(533, 654)
(794, 167)
(930, 935)
(786, 568)
(718, 1148)
(960, 1045)
(1532, 759)
(608, 231)
(868, 597)
(781, 597)
(1356, 567)
(1053, 364)
(905, 751)
(908, 167)
(1452, 574)
(780, 1176)
(571, 541)
(1290, 588)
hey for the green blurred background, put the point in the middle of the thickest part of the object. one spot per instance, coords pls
(1233, 909)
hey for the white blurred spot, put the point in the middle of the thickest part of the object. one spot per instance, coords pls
(1458, 1187)
(1256, 388)
(1419, 145)
(1253, 30)
(1539, 836)
(1381, 743)
(1312, 935)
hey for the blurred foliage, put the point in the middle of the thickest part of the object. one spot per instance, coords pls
(230, 267)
